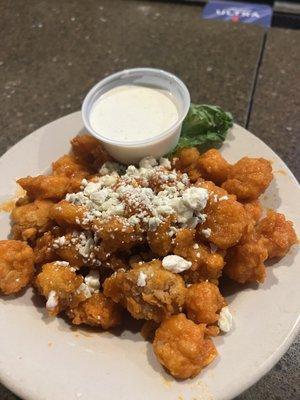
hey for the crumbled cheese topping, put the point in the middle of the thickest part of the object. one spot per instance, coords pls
(62, 263)
(92, 281)
(195, 198)
(223, 198)
(143, 196)
(59, 242)
(176, 264)
(65, 264)
(141, 281)
(148, 162)
(206, 232)
(225, 320)
(109, 168)
(52, 301)
(165, 162)
(85, 290)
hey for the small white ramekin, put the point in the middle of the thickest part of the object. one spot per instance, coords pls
(132, 151)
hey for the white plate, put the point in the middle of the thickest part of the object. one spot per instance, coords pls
(43, 359)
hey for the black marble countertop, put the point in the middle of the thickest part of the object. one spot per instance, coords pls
(51, 53)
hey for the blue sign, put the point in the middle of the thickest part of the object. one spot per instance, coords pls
(247, 13)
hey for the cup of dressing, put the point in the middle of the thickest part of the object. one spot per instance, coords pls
(137, 113)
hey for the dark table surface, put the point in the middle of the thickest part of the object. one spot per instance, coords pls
(51, 53)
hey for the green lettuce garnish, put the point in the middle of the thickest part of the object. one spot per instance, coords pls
(204, 127)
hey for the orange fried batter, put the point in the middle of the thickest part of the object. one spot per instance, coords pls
(202, 303)
(214, 191)
(279, 234)
(213, 166)
(31, 220)
(187, 161)
(97, 310)
(162, 294)
(113, 262)
(22, 201)
(63, 281)
(16, 266)
(69, 166)
(89, 151)
(249, 178)
(45, 187)
(245, 261)
(43, 250)
(160, 242)
(117, 234)
(68, 214)
(253, 210)
(226, 220)
(205, 264)
(181, 347)
(70, 254)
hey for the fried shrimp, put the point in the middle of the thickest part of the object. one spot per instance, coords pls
(147, 291)
(278, 232)
(249, 178)
(59, 284)
(16, 266)
(203, 301)
(97, 310)
(182, 348)
(31, 220)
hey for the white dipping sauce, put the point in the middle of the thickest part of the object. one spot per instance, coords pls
(132, 112)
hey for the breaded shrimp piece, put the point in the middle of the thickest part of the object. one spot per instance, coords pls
(69, 215)
(278, 232)
(203, 301)
(213, 166)
(160, 242)
(187, 160)
(70, 167)
(206, 265)
(148, 291)
(45, 187)
(225, 222)
(253, 210)
(31, 220)
(59, 284)
(182, 348)
(249, 178)
(97, 310)
(16, 266)
(89, 151)
(245, 261)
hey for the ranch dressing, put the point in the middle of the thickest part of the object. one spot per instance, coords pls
(132, 112)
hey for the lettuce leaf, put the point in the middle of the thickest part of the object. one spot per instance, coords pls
(204, 127)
